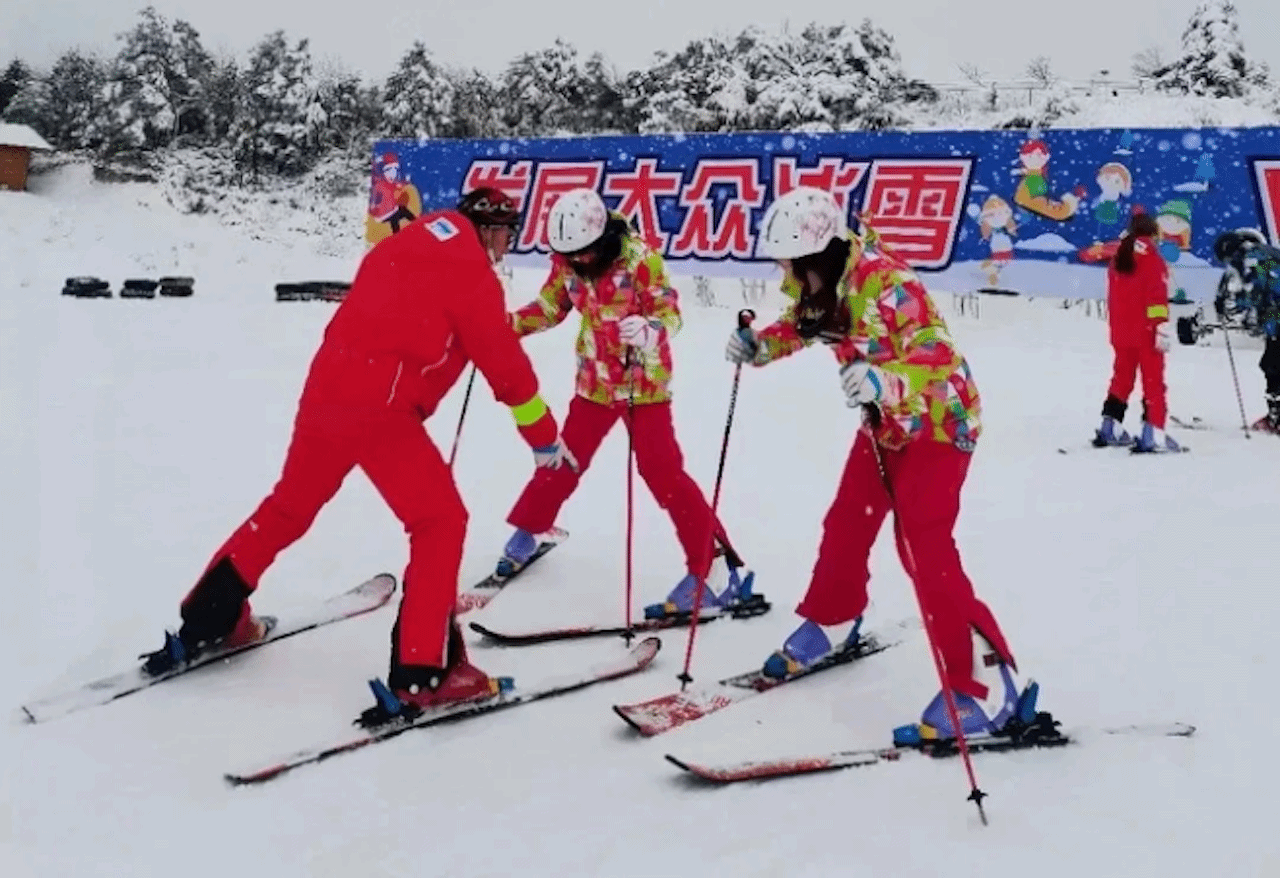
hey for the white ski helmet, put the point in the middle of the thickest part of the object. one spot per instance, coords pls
(803, 221)
(576, 220)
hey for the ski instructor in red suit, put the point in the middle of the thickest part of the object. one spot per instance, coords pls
(425, 302)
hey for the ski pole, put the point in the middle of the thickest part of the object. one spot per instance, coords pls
(1235, 377)
(745, 316)
(975, 795)
(466, 400)
(631, 452)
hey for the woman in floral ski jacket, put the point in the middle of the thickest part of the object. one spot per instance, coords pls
(606, 272)
(921, 423)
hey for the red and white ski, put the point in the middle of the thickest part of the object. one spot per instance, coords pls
(362, 599)
(479, 595)
(639, 658)
(776, 767)
(666, 712)
(755, 605)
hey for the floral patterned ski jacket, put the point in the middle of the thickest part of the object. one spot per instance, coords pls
(637, 283)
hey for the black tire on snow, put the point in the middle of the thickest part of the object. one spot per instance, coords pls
(86, 287)
(1186, 331)
(176, 286)
(288, 292)
(138, 288)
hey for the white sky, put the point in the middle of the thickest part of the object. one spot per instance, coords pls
(998, 36)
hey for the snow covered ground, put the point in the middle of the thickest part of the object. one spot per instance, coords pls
(136, 434)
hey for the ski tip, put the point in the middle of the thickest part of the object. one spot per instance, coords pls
(678, 763)
(639, 728)
(382, 587)
(647, 649)
(480, 629)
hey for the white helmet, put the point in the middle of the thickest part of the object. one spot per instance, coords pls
(803, 221)
(576, 220)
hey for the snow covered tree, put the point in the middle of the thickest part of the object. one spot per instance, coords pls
(605, 99)
(223, 95)
(65, 106)
(544, 92)
(353, 111)
(827, 78)
(278, 127)
(1213, 60)
(475, 112)
(675, 93)
(419, 98)
(155, 86)
(15, 77)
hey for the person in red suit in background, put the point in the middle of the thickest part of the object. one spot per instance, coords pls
(1138, 286)
(425, 302)
(389, 195)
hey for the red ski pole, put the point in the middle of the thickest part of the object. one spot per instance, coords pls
(466, 400)
(631, 453)
(975, 795)
(745, 316)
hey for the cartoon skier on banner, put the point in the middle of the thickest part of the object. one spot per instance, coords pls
(1114, 182)
(1033, 189)
(1174, 222)
(997, 225)
(393, 200)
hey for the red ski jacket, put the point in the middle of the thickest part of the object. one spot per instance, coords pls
(425, 302)
(1137, 302)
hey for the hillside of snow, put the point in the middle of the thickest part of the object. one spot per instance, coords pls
(137, 434)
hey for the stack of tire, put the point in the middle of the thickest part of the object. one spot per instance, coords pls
(176, 286)
(87, 288)
(312, 291)
(133, 288)
(136, 288)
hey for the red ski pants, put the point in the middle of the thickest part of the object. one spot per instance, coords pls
(399, 458)
(926, 477)
(658, 460)
(1149, 359)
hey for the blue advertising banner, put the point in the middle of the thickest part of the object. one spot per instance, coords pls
(1035, 214)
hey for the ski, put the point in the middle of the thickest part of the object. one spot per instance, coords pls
(753, 606)
(479, 595)
(769, 768)
(1129, 447)
(666, 712)
(1092, 445)
(362, 599)
(1195, 423)
(639, 658)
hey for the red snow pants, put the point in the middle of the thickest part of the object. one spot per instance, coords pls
(926, 478)
(1148, 358)
(399, 458)
(658, 460)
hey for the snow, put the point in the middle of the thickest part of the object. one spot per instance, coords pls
(12, 134)
(137, 434)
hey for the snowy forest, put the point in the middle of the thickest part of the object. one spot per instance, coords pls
(280, 112)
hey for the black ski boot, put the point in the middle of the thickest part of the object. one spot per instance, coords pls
(215, 613)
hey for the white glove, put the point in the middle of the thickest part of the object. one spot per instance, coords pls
(1163, 342)
(861, 382)
(742, 346)
(639, 332)
(554, 455)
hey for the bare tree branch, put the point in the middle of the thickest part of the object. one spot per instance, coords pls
(1148, 63)
(973, 73)
(1040, 71)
